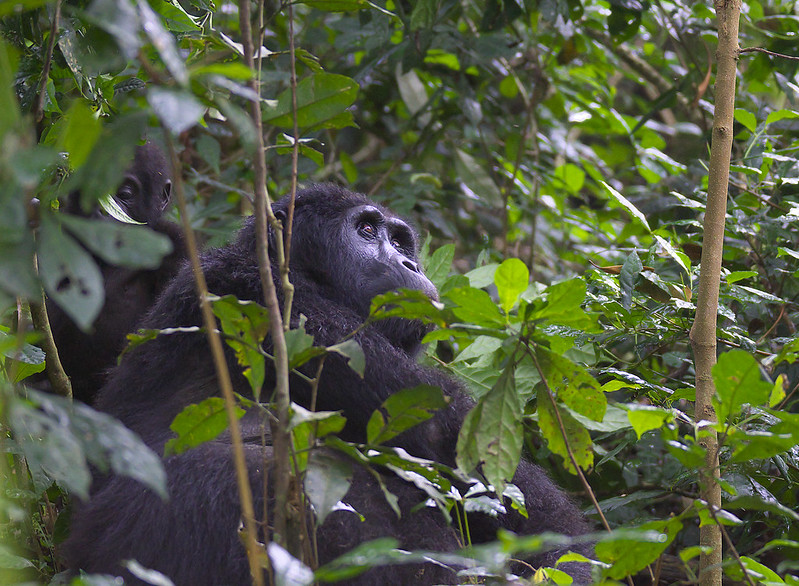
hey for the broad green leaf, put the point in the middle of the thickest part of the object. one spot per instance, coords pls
(327, 480)
(573, 385)
(492, 433)
(62, 438)
(424, 14)
(578, 437)
(245, 324)
(403, 410)
(475, 306)
(483, 276)
(439, 263)
(120, 244)
(120, 19)
(746, 118)
(628, 276)
(79, 132)
(624, 202)
(321, 97)
(308, 426)
(163, 42)
(199, 423)
(407, 304)
(738, 381)
(511, 278)
(646, 417)
(351, 350)
(629, 555)
(70, 275)
(778, 115)
(474, 176)
(563, 306)
(178, 110)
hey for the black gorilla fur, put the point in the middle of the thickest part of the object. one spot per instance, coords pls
(338, 264)
(129, 293)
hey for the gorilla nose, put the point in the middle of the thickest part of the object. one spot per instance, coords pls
(411, 266)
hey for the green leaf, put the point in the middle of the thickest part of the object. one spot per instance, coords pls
(492, 433)
(178, 110)
(746, 118)
(475, 306)
(61, 438)
(631, 553)
(646, 417)
(630, 270)
(573, 385)
(778, 115)
(563, 306)
(321, 98)
(738, 381)
(197, 424)
(245, 324)
(80, 130)
(424, 14)
(163, 42)
(403, 410)
(511, 278)
(120, 244)
(439, 263)
(70, 275)
(327, 480)
(578, 437)
(351, 350)
(625, 203)
(474, 176)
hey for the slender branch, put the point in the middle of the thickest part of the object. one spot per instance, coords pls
(222, 372)
(38, 110)
(767, 52)
(59, 381)
(263, 212)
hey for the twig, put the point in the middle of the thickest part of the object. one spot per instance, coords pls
(767, 52)
(38, 111)
(263, 212)
(223, 374)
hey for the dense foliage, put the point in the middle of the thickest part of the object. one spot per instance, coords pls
(555, 151)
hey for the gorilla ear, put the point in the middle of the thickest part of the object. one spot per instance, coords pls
(281, 215)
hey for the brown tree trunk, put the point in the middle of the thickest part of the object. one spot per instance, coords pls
(703, 332)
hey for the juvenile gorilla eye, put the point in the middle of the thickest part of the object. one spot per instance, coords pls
(396, 243)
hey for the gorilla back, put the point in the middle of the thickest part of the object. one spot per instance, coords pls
(345, 250)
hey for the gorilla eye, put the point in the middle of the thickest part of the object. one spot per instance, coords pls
(367, 229)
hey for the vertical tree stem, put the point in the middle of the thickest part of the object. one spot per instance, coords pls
(223, 374)
(703, 332)
(263, 211)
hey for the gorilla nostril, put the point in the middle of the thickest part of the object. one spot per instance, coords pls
(412, 266)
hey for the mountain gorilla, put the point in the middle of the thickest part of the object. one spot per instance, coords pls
(345, 250)
(129, 293)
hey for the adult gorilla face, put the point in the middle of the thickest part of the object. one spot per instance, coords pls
(383, 248)
(355, 249)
